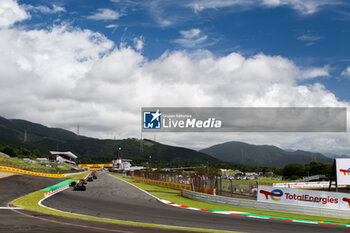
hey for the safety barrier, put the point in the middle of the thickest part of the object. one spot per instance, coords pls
(321, 184)
(171, 185)
(10, 169)
(266, 206)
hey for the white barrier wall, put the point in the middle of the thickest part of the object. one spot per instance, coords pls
(331, 200)
(320, 184)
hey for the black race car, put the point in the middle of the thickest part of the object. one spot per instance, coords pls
(80, 186)
(93, 174)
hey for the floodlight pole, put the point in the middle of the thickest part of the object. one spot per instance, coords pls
(334, 172)
(336, 177)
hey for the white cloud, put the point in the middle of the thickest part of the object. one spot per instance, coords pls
(346, 72)
(309, 37)
(112, 26)
(11, 12)
(164, 22)
(66, 75)
(192, 33)
(105, 14)
(139, 43)
(310, 73)
(305, 7)
(191, 38)
(45, 9)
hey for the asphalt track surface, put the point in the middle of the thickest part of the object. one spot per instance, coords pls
(23, 221)
(110, 197)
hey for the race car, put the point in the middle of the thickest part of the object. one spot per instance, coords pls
(83, 181)
(93, 174)
(80, 186)
(72, 184)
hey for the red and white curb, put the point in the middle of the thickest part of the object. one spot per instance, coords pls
(244, 214)
(48, 194)
(203, 210)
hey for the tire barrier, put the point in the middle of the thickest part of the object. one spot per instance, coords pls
(10, 169)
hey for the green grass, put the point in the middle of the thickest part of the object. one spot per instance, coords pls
(178, 199)
(78, 176)
(30, 202)
(20, 164)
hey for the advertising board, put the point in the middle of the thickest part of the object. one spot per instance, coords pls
(331, 200)
(343, 171)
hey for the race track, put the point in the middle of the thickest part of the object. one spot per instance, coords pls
(23, 221)
(110, 197)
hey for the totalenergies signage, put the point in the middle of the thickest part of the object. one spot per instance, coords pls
(304, 197)
(343, 171)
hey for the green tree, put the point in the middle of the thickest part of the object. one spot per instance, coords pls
(293, 171)
(9, 151)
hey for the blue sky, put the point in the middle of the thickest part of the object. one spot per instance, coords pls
(96, 63)
(318, 38)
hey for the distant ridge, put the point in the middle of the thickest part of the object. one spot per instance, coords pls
(95, 150)
(264, 155)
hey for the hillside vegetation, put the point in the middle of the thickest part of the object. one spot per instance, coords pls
(92, 150)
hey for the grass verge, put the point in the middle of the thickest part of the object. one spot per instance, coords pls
(78, 176)
(180, 200)
(30, 202)
(20, 164)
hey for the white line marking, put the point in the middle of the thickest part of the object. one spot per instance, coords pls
(257, 217)
(301, 221)
(10, 208)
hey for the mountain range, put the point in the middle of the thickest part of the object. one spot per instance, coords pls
(12, 132)
(92, 150)
(263, 155)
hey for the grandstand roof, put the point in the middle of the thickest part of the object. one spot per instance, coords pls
(68, 154)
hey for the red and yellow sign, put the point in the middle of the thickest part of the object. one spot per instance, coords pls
(94, 168)
(11, 169)
(95, 165)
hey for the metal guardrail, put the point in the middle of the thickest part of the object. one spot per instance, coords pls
(266, 206)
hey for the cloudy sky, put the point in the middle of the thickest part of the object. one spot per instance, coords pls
(96, 63)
